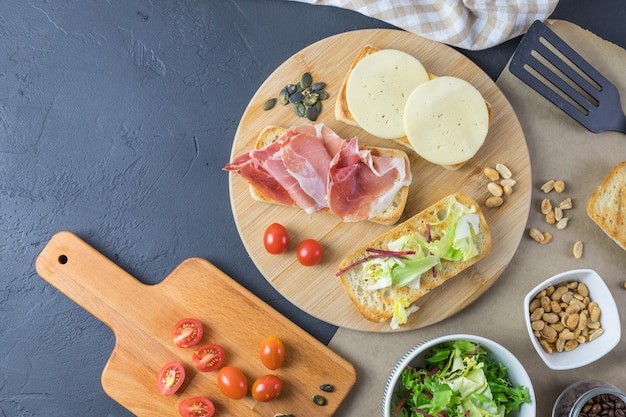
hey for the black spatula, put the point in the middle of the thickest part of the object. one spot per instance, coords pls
(552, 68)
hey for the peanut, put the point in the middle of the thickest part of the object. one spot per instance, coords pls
(495, 189)
(536, 235)
(492, 174)
(548, 186)
(494, 201)
(566, 204)
(562, 224)
(577, 250)
(559, 186)
(503, 170)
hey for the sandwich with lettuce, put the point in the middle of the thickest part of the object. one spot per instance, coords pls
(388, 275)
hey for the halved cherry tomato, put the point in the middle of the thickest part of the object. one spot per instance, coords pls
(309, 252)
(187, 332)
(266, 388)
(170, 378)
(272, 353)
(232, 382)
(196, 407)
(208, 357)
(276, 239)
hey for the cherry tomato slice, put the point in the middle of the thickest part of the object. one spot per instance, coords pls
(208, 357)
(170, 378)
(272, 353)
(276, 239)
(309, 252)
(196, 407)
(266, 388)
(232, 382)
(187, 332)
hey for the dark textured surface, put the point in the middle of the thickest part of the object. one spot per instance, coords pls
(115, 120)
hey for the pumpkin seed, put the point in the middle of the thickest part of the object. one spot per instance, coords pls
(322, 94)
(306, 80)
(291, 88)
(318, 86)
(327, 387)
(310, 99)
(319, 400)
(283, 97)
(269, 104)
(311, 112)
(296, 97)
(299, 109)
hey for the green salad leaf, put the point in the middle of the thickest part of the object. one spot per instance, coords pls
(459, 380)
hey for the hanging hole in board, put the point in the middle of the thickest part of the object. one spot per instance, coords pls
(62, 259)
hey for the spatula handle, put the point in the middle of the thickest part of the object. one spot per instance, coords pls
(89, 278)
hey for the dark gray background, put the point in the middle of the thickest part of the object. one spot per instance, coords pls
(116, 118)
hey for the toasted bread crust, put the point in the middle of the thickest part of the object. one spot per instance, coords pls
(389, 217)
(607, 205)
(377, 305)
(342, 112)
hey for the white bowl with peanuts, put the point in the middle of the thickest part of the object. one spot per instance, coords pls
(572, 319)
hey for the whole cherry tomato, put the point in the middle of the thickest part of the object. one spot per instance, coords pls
(171, 377)
(276, 239)
(266, 388)
(272, 353)
(208, 357)
(309, 252)
(187, 332)
(232, 382)
(196, 407)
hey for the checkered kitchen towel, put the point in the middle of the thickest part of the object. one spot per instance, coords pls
(467, 24)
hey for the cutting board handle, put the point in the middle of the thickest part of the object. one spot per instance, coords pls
(70, 264)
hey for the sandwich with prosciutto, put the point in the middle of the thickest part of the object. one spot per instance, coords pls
(311, 167)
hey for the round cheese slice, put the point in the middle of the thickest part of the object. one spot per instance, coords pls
(377, 89)
(446, 120)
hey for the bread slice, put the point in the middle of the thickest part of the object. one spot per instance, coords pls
(388, 217)
(607, 205)
(377, 304)
(343, 114)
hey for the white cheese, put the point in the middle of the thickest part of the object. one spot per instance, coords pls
(446, 120)
(378, 88)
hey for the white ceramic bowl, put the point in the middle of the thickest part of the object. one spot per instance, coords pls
(416, 357)
(587, 352)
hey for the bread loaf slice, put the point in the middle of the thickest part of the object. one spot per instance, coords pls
(342, 110)
(388, 217)
(377, 305)
(607, 205)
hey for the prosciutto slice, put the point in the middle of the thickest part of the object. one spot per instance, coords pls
(314, 168)
(276, 167)
(250, 167)
(307, 160)
(362, 185)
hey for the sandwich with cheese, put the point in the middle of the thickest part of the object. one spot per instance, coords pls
(389, 94)
(311, 167)
(607, 205)
(385, 277)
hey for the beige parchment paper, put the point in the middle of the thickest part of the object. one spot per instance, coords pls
(559, 148)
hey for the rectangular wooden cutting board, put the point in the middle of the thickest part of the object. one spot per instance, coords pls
(142, 316)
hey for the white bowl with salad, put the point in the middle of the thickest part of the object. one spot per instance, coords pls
(459, 375)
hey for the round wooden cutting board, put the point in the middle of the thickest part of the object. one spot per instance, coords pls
(317, 290)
